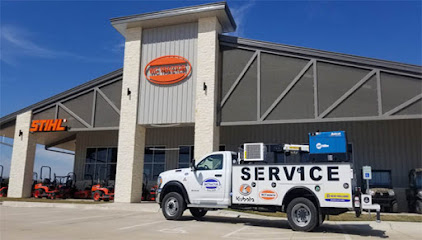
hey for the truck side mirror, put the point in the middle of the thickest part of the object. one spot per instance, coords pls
(192, 164)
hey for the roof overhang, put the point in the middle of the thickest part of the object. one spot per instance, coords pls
(177, 16)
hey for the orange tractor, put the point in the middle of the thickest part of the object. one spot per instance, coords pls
(46, 188)
(3, 184)
(102, 191)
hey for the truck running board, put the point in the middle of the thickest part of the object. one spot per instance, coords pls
(206, 206)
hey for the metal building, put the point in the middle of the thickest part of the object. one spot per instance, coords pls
(187, 89)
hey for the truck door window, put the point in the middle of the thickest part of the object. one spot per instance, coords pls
(212, 162)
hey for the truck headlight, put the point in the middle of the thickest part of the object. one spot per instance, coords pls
(391, 192)
(159, 181)
(371, 192)
(420, 194)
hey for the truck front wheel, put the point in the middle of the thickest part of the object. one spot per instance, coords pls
(198, 213)
(173, 206)
(302, 215)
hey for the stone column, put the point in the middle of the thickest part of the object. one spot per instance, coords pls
(207, 133)
(22, 165)
(131, 145)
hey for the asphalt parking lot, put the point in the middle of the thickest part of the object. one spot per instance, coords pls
(59, 223)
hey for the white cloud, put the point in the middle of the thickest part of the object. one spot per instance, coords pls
(17, 42)
(239, 14)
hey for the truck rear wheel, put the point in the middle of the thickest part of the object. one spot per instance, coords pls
(198, 213)
(173, 206)
(302, 215)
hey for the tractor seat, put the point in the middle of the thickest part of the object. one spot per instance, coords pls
(69, 183)
(46, 181)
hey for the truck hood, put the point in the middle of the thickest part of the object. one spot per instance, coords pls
(174, 174)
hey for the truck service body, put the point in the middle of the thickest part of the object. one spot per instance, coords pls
(306, 191)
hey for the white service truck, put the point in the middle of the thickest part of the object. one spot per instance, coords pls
(306, 192)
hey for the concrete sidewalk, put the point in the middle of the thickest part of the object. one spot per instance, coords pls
(138, 207)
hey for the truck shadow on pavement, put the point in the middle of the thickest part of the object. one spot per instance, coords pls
(363, 229)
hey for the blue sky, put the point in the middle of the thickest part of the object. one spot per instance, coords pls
(48, 46)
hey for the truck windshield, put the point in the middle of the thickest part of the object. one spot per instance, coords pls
(418, 180)
(380, 179)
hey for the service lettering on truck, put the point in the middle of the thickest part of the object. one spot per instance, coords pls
(288, 172)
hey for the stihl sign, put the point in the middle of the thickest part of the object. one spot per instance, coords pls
(48, 125)
(167, 69)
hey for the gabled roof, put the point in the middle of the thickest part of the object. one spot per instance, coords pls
(250, 43)
(44, 103)
(315, 53)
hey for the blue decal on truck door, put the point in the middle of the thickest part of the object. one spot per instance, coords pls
(211, 184)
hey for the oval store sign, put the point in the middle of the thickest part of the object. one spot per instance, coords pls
(168, 69)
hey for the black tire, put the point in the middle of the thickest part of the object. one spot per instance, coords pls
(395, 207)
(173, 206)
(322, 219)
(40, 193)
(308, 219)
(97, 195)
(358, 212)
(419, 206)
(198, 213)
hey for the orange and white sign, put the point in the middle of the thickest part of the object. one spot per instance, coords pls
(268, 195)
(48, 125)
(168, 69)
(245, 189)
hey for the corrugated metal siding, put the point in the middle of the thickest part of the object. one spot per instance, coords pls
(393, 144)
(168, 103)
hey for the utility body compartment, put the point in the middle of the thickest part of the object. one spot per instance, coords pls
(268, 184)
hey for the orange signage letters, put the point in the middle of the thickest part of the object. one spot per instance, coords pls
(47, 125)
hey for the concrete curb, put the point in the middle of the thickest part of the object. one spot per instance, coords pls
(137, 207)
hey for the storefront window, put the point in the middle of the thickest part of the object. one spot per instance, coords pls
(100, 163)
(154, 162)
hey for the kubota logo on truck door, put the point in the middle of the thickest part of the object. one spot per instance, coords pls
(245, 189)
(168, 69)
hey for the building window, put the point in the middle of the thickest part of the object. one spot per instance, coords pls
(154, 162)
(186, 155)
(100, 164)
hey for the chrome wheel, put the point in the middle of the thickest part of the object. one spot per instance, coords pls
(172, 206)
(301, 215)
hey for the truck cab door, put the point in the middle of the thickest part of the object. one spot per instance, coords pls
(207, 182)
